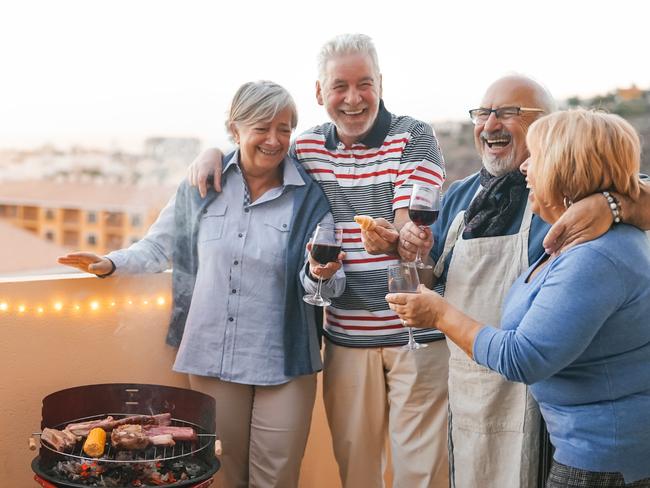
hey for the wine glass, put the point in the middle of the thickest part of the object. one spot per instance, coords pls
(424, 207)
(403, 278)
(325, 248)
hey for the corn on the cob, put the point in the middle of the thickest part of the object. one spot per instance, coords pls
(95, 442)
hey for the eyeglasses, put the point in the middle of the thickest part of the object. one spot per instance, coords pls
(480, 115)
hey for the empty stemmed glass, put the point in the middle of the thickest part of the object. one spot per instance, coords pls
(325, 248)
(424, 207)
(403, 278)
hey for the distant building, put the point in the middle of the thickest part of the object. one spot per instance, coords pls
(172, 148)
(170, 157)
(22, 252)
(629, 94)
(90, 217)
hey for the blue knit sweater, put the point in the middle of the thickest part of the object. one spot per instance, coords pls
(579, 333)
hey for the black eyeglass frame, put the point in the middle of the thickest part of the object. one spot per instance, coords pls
(499, 112)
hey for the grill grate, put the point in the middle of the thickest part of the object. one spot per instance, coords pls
(205, 440)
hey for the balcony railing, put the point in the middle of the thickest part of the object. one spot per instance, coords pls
(70, 330)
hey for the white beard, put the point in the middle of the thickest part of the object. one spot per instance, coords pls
(499, 166)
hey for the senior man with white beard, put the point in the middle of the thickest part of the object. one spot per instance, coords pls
(485, 237)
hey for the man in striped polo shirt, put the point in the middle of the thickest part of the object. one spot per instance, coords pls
(366, 160)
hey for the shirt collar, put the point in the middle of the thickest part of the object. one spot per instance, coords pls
(290, 174)
(374, 138)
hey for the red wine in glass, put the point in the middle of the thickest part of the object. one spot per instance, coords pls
(424, 206)
(325, 248)
(422, 217)
(325, 253)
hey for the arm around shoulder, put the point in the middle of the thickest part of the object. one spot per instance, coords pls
(636, 211)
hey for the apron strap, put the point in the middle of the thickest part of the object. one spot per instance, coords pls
(458, 225)
(526, 219)
(455, 229)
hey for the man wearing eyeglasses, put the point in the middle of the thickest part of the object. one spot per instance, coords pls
(485, 237)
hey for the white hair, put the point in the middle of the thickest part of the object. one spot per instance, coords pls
(346, 44)
(260, 101)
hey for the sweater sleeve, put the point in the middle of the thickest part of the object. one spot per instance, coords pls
(581, 290)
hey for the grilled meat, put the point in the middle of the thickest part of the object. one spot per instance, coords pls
(177, 433)
(83, 428)
(134, 437)
(130, 433)
(109, 423)
(61, 440)
(129, 437)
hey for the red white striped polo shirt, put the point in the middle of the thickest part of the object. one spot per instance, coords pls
(373, 177)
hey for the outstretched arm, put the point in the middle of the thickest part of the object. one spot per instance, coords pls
(88, 262)
(428, 309)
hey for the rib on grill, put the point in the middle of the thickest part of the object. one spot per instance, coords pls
(61, 440)
(109, 423)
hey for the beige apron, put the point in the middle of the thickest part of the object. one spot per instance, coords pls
(493, 423)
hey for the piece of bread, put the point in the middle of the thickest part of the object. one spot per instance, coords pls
(366, 222)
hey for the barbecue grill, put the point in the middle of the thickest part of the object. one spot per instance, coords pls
(188, 409)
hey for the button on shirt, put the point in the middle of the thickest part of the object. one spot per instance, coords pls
(234, 329)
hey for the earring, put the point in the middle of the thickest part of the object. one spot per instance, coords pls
(567, 202)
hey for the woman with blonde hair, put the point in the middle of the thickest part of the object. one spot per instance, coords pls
(576, 325)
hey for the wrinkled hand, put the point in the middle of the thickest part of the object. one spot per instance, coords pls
(326, 272)
(422, 309)
(87, 262)
(382, 239)
(583, 221)
(206, 164)
(412, 238)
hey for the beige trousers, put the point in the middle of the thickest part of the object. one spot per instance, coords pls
(263, 430)
(371, 391)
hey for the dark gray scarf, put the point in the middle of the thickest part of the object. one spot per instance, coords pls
(492, 211)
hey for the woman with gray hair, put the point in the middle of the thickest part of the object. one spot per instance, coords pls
(244, 333)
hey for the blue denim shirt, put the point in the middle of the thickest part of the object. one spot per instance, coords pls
(235, 328)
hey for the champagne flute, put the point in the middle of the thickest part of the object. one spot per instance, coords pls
(424, 207)
(403, 278)
(325, 248)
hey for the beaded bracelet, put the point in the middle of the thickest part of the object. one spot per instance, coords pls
(614, 206)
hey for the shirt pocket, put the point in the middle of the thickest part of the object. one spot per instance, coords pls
(212, 222)
(276, 236)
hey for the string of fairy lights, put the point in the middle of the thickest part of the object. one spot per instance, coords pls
(94, 305)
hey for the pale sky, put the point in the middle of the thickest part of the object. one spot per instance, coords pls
(114, 72)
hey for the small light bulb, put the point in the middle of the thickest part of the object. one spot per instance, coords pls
(4, 306)
(39, 309)
(160, 301)
(130, 302)
(22, 308)
(94, 305)
(58, 306)
(146, 302)
(112, 304)
(77, 307)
